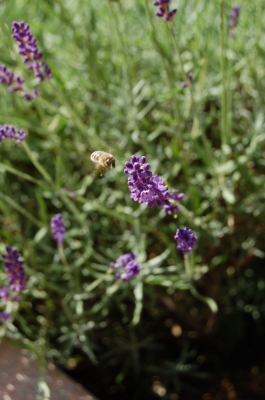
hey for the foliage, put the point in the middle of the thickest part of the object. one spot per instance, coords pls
(117, 86)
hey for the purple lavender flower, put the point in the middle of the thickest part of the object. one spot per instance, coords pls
(173, 208)
(163, 10)
(29, 50)
(233, 20)
(143, 185)
(186, 239)
(170, 15)
(15, 270)
(58, 229)
(190, 79)
(4, 316)
(4, 293)
(8, 78)
(128, 265)
(9, 132)
(123, 260)
(190, 76)
(16, 83)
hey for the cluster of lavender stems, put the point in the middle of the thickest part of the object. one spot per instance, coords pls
(58, 229)
(9, 132)
(126, 267)
(144, 186)
(16, 277)
(233, 20)
(163, 10)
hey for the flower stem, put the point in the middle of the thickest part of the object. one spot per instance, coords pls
(36, 163)
(98, 281)
(187, 265)
(223, 39)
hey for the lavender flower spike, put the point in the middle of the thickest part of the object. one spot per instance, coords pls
(58, 229)
(15, 269)
(127, 265)
(29, 50)
(233, 20)
(143, 185)
(9, 132)
(186, 239)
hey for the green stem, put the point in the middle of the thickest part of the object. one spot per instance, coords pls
(205, 299)
(20, 209)
(187, 265)
(98, 281)
(197, 123)
(124, 50)
(69, 203)
(95, 142)
(37, 165)
(22, 175)
(223, 39)
(170, 77)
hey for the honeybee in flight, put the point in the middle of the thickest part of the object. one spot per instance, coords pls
(103, 160)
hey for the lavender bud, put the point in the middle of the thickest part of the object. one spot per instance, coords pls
(186, 239)
(58, 229)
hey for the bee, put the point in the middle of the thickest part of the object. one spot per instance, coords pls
(103, 160)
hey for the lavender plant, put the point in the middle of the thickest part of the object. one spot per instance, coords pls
(117, 85)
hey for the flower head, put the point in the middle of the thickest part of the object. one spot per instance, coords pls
(128, 267)
(9, 132)
(58, 229)
(143, 185)
(30, 51)
(163, 10)
(15, 270)
(186, 239)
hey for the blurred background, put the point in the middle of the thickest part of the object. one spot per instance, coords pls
(189, 95)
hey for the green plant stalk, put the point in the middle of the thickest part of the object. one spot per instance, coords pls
(98, 281)
(20, 209)
(187, 214)
(205, 299)
(95, 142)
(187, 265)
(124, 50)
(197, 118)
(69, 203)
(37, 165)
(223, 40)
(170, 78)
(22, 175)
(68, 269)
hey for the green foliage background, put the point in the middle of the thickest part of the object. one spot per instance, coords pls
(117, 86)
